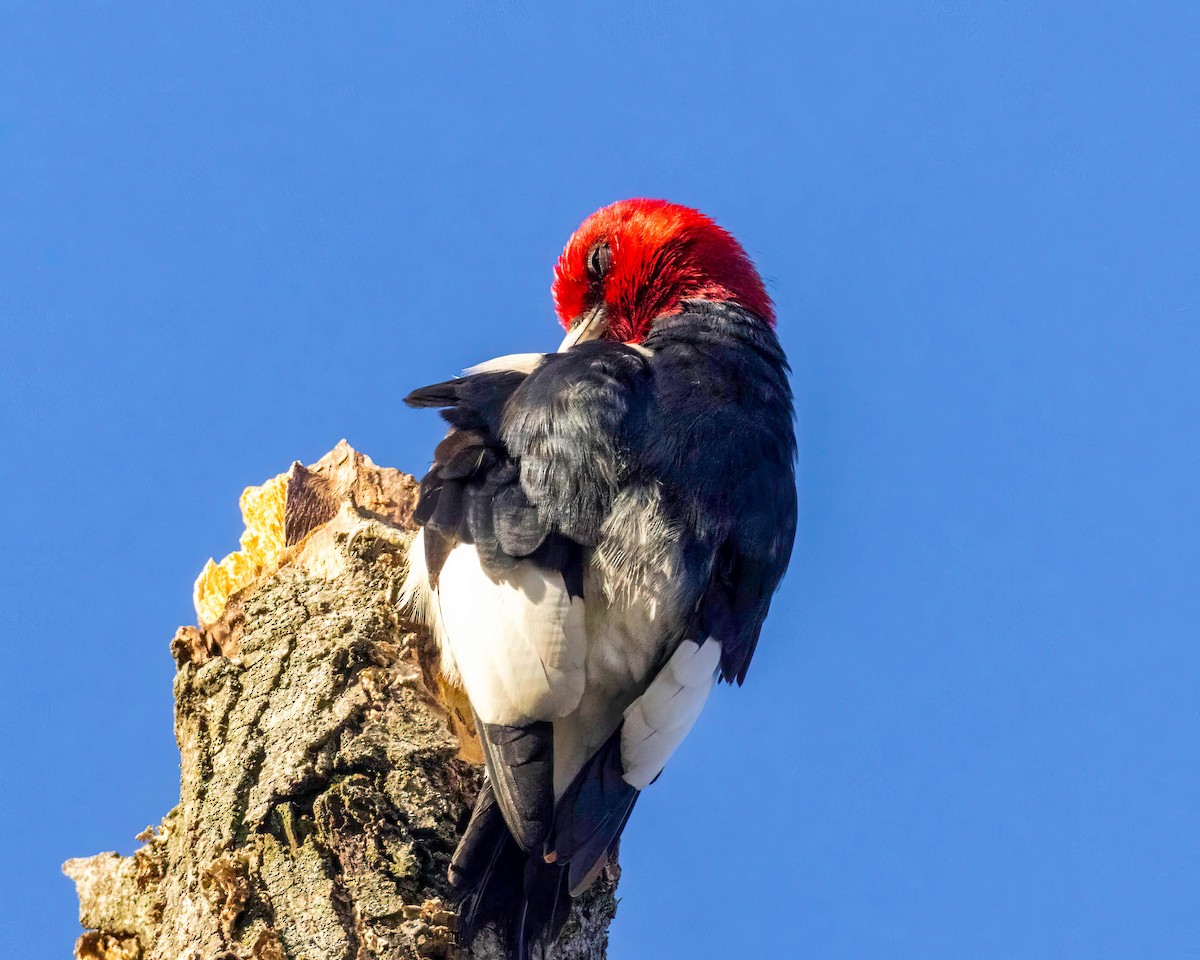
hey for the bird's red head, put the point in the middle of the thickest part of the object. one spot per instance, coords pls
(636, 260)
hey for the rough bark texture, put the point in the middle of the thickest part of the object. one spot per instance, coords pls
(326, 769)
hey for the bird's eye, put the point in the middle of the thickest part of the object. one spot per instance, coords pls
(598, 261)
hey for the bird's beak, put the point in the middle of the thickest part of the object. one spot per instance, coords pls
(587, 326)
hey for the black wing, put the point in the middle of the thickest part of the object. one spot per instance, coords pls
(533, 461)
(472, 492)
(722, 374)
(527, 473)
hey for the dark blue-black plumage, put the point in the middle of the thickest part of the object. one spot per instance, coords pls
(720, 441)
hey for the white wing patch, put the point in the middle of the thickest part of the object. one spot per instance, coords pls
(657, 721)
(516, 641)
(518, 362)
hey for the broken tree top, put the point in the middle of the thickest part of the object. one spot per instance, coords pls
(326, 766)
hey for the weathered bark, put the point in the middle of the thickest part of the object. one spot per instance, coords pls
(327, 770)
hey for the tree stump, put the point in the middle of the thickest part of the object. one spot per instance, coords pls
(327, 769)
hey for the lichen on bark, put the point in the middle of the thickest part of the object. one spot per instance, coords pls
(326, 767)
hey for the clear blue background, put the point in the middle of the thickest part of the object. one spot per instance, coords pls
(231, 234)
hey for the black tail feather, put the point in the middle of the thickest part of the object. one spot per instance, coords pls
(485, 869)
(590, 816)
(547, 904)
(520, 764)
(496, 884)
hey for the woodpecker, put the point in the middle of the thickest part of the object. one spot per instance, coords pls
(602, 530)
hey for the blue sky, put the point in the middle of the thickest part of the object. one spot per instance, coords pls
(232, 234)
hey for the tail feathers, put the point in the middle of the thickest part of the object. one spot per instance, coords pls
(526, 898)
(547, 904)
(496, 884)
(590, 816)
(484, 867)
(520, 764)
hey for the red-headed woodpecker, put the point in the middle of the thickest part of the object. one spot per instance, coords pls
(602, 530)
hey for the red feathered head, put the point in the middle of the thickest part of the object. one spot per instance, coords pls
(639, 259)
